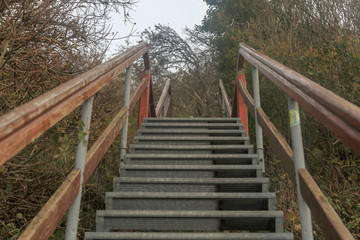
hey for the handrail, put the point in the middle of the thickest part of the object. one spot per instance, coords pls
(24, 124)
(164, 99)
(35, 117)
(225, 99)
(334, 112)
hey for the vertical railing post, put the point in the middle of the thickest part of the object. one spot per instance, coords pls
(144, 100)
(74, 210)
(124, 130)
(258, 129)
(298, 149)
(242, 109)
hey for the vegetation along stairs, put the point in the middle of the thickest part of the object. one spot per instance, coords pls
(190, 178)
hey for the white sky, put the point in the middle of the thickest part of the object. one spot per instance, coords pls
(177, 14)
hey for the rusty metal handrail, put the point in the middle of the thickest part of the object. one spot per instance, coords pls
(35, 117)
(334, 112)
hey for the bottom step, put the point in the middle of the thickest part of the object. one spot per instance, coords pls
(112, 220)
(186, 236)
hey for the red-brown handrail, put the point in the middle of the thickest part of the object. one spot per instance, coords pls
(35, 117)
(24, 124)
(334, 112)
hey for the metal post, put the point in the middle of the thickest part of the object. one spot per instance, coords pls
(259, 135)
(73, 213)
(297, 146)
(124, 130)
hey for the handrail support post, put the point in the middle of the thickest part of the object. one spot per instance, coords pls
(298, 149)
(259, 134)
(74, 210)
(124, 130)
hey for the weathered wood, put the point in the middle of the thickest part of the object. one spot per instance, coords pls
(325, 216)
(24, 124)
(335, 113)
(163, 96)
(46, 221)
(103, 143)
(137, 93)
(278, 142)
(249, 101)
(225, 97)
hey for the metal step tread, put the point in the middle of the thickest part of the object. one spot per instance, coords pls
(186, 236)
(188, 214)
(194, 138)
(191, 180)
(192, 131)
(191, 119)
(189, 147)
(190, 156)
(191, 124)
(188, 195)
(190, 167)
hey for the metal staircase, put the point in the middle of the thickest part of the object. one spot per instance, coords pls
(190, 178)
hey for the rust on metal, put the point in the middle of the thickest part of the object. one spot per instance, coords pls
(46, 221)
(328, 220)
(278, 142)
(102, 144)
(241, 110)
(24, 124)
(335, 113)
(225, 97)
(163, 96)
(144, 99)
(247, 98)
(137, 93)
(152, 112)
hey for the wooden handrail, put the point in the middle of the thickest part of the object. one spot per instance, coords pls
(225, 97)
(164, 95)
(24, 124)
(335, 113)
(321, 209)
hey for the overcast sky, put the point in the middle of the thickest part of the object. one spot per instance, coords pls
(178, 14)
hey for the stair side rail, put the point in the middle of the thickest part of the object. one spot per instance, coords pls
(335, 113)
(21, 126)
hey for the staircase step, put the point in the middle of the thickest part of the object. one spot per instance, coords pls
(216, 149)
(138, 184)
(191, 171)
(186, 236)
(189, 201)
(191, 125)
(112, 220)
(198, 159)
(203, 120)
(191, 140)
(191, 132)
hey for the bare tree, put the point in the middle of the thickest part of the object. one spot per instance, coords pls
(188, 62)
